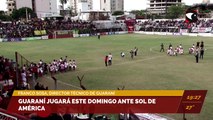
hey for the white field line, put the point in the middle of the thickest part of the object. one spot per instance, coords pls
(99, 68)
(64, 83)
(151, 50)
(123, 63)
(69, 84)
(141, 60)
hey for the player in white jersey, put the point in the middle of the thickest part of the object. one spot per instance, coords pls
(110, 59)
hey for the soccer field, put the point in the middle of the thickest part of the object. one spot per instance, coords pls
(150, 70)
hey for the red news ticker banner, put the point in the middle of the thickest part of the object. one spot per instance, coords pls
(107, 101)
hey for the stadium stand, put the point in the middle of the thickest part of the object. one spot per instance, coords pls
(171, 25)
(38, 27)
(17, 29)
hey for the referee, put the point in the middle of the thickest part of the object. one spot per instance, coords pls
(197, 54)
(162, 47)
(99, 36)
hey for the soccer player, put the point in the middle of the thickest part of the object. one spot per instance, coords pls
(136, 51)
(131, 54)
(198, 44)
(65, 59)
(74, 65)
(52, 69)
(61, 60)
(201, 52)
(170, 46)
(106, 60)
(180, 46)
(162, 47)
(202, 44)
(24, 78)
(62, 67)
(110, 59)
(193, 46)
(122, 54)
(70, 65)
(40, 62)
(99, 36)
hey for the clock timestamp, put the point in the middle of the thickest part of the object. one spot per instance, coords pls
(193, 97)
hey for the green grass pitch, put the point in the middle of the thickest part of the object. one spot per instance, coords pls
(149, 70)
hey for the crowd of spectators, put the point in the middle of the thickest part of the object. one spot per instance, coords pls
(35, 70)
(15, 29)
(171, 25)
(7, 76)
(7, 69)
(26, 75)
(8, 80)
(203, 23)
(20, 29)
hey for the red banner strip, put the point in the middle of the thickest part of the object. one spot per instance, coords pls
(192, 101)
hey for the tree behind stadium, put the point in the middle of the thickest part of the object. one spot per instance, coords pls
(23, 12)
(175, 11)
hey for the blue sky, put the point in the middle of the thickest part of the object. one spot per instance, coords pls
(128, 4)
